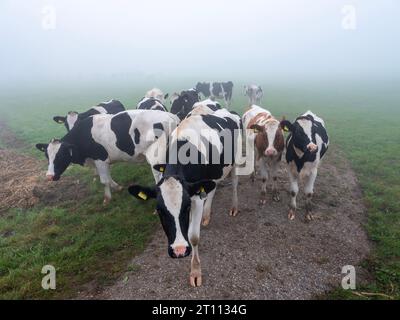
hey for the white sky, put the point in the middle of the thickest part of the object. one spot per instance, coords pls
(183, 37)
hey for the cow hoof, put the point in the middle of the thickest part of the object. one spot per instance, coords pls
(106, 201)
(233, 212)
(309, 217)
(195, 280)
(117, 188)
(262, 202)
(276, 198)
(291, 215)
(205, 221)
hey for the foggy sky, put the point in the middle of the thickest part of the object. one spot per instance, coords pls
(208, 37)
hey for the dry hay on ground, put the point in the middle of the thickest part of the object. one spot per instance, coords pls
(19, 175)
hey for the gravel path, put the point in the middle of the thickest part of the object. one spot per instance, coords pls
(260, 254)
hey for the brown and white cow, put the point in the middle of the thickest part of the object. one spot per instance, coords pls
(156, 94)
(266, 132)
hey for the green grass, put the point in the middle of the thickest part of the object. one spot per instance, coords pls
(84, 241)
(87, 242)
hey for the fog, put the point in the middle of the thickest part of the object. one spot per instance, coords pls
(68, 40)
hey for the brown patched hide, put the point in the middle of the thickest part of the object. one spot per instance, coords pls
(261, 140)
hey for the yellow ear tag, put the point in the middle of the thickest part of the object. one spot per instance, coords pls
(60, 121)
(202, 189)
(255, 130)
(161, 169)
(142, 195)
(285, 128)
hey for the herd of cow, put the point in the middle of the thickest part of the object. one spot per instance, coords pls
(190, 149)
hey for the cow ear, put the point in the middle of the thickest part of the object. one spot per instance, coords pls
(42, 146)
(59, 119)
(142, 193)
(201, 188)
(159, 167)
(257, 128)
(286, 125)
(166, 96)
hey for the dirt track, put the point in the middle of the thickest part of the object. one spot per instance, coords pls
(260, 254)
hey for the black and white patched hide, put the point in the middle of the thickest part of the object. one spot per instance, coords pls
(173, 207)
(183, 103)
(108, 138)
(111, 107)
(308, 140)
(151, 104)
(216, 136)
(182, 180)
(221, 90)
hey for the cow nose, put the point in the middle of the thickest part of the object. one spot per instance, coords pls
(312, 147)
(179, 252)
(50, 177)
(270, 152)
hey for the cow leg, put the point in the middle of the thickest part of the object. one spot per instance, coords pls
(95, 173)
(274, 175)
(294, 190)
(235, 181)
(264, 177)
(103, 169)
(115, 186)
(90, 163)
(254, 174)
(309, 191)
(207, 208)
(227, 103)
(194, 238)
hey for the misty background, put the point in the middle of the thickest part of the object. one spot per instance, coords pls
(93, 40)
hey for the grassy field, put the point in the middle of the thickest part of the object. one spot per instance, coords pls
(87, 242)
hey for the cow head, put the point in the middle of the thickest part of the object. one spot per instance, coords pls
(69, 120)
(269, 137)
(301, 131)
(182, 104)
(59, 155)
(173, 196)
(204, 88)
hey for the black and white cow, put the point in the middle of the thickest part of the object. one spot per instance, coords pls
(202, 152)
(221, 90)
(110, 107)
(182, 104)
(156, 94)
(305, 146)
(254, 93)
(151, 104)
(128, 136)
